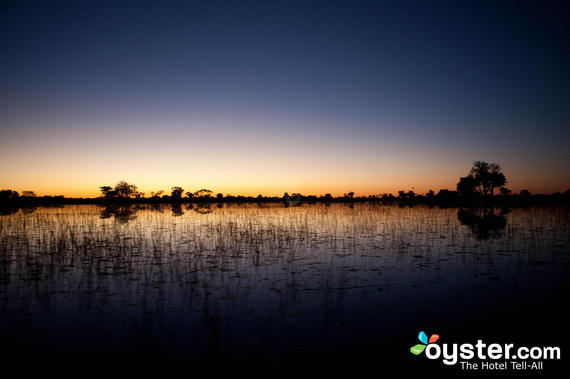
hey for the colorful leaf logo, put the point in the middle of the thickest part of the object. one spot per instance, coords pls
(419, 348)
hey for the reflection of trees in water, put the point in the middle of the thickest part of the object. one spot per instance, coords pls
(6, 211)
(120, 212)
(29, 210)
(176, 209)
(483, 222)
(123, 213)
(200, 208)
(156, 207)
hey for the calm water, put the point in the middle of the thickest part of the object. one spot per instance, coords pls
(253, 287)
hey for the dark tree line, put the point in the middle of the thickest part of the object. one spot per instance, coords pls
(484, 184)
(125, 191)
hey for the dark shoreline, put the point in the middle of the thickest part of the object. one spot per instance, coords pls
(444, 201)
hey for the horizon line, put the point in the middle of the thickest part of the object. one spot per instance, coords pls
(214, 194)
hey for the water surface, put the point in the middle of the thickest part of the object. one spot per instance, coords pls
(250, 287)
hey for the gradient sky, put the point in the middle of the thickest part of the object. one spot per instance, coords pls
(267, 97)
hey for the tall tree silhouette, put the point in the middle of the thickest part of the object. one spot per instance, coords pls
(496, 178)
(176, 192)
(483, 178)
(480, 173)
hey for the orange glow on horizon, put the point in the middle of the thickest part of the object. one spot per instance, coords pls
(76, 162)
(337, 189)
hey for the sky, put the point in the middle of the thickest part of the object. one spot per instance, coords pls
(269, 97)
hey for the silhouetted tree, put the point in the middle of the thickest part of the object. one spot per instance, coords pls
(125, 190)
(28, 194)
(480, 174)
(176, 193)
(488, 176)
(8, 195)
(203, 193)
(349, 195)
(483, 178)
(445, 196)
(156, 194)
(107, 192)
(505, 191)
(496, 178)
(467, 187)
(525, 193)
